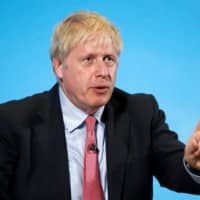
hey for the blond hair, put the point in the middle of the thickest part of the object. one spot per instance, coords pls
(79, 27)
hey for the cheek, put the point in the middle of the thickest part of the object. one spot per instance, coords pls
(113, 77)
(70, 82)
(78, 83)
(113, 71)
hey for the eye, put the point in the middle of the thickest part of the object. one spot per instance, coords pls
(109, 60)
(88, 59)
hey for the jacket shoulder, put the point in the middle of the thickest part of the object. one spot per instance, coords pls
(138, 99)
(142, 108)
(20, 111)
(139, 104)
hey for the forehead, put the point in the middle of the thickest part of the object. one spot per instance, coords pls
(97, 42)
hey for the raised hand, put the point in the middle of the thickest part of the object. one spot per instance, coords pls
(192, 149)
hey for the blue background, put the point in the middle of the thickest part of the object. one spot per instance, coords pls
(161, 54)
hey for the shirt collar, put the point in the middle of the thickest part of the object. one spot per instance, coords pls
(74, 117)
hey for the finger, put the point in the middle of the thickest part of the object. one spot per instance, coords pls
(196, 133)
(194, 146)
(197, 152)
(197, 127)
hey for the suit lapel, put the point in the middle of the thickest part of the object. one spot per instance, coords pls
(52, 127)
(117, 126)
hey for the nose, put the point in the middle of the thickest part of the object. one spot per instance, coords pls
(102, 70)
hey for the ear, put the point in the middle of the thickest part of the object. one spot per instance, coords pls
(57, 68)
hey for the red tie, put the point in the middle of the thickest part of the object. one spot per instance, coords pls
(92, 189)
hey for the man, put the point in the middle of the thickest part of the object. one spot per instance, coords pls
(43, 138)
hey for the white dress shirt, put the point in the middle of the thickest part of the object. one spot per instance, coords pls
(75, 134)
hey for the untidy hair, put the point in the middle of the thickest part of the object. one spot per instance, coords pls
(79, 28)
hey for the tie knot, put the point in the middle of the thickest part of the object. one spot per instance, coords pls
(90, 122)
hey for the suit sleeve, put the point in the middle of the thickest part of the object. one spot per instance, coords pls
(8, 157)
(167, 155)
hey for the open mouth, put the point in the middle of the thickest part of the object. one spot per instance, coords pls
(101, 89)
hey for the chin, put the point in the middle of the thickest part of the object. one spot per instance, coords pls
(100, 103)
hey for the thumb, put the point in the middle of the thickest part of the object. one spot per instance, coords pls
(197, 127)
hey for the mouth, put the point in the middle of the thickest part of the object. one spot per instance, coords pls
(101, 89)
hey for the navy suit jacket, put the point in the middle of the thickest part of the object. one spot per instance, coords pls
(139, 145)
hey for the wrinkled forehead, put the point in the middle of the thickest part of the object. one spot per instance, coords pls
(99, 40)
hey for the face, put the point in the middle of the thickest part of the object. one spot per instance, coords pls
(88, 75)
